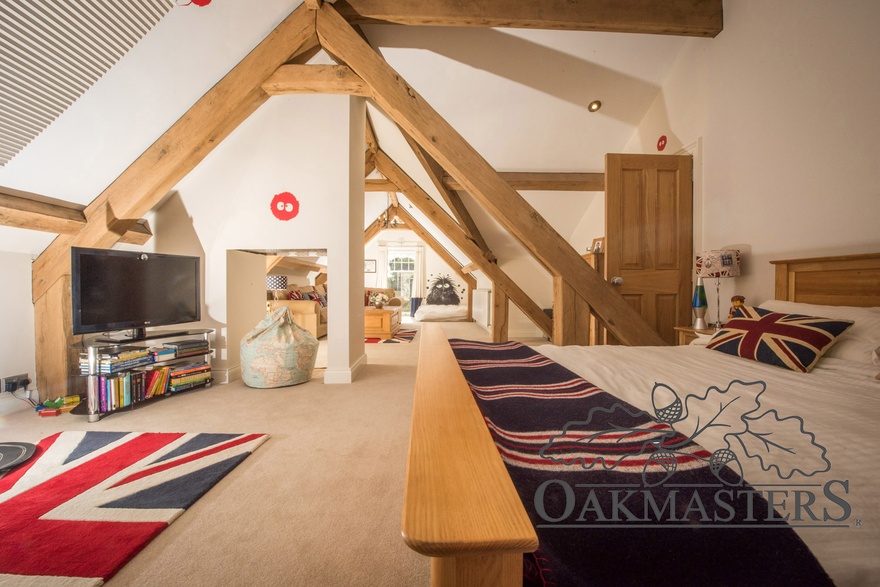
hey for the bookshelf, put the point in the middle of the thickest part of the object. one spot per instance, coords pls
(125, 374)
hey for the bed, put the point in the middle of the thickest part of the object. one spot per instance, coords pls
(462, 509)
(441, 313)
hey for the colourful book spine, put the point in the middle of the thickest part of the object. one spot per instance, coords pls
(102, 394)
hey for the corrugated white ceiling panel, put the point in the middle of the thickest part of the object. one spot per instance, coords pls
(51, 51)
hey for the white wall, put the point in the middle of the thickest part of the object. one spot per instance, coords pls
(296, 144)
(17, 347)
(785, 102)
(245, 308)
(345, 330)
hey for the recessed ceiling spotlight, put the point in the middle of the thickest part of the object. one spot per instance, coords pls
(594, 106)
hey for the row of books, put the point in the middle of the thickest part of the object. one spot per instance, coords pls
(189, 375)
(116, 391)
(188, 348)
(113, 392)
(122, 358)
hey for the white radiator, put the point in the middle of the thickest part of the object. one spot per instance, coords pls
(482, 308)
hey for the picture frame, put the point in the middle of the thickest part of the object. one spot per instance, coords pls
(369, 265)
(598, 245)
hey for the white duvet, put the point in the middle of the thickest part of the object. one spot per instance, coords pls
(838, 402)
(440, 313)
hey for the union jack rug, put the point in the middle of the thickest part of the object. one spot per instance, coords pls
(400, 337)
(107, 494)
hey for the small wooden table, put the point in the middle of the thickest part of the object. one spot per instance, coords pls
(688, 333)
(382, 323)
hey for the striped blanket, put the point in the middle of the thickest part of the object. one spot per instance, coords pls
(617, 496)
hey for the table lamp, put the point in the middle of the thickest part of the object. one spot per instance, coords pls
(717, 264)
(700, 305)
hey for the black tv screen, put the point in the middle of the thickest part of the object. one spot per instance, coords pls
(120, 290)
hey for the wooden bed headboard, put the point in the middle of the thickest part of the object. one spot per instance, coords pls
(848, 280)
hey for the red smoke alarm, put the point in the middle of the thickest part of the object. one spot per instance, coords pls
(661, 143)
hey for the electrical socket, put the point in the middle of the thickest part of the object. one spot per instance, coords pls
(15, 382)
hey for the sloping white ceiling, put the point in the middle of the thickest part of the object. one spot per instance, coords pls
(518, 96)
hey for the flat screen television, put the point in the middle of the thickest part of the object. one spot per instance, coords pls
(131, 290)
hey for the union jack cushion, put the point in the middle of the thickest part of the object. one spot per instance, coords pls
(792, 341)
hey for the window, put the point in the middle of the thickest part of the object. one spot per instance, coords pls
(401, 272)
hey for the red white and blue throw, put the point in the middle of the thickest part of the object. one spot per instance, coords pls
(618, 496)
(106, 495)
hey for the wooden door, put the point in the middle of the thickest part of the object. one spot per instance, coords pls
(649, 236)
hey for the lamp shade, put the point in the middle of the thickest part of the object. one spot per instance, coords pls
(276, 282)
(720, 263)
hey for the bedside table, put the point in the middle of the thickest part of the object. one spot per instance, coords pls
(688, 333)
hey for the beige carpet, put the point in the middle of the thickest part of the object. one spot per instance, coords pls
(318, 504)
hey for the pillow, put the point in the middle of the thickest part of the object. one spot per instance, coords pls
(857, 343)
(295, 294)
(792, 341)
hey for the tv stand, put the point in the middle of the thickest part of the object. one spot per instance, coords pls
(141, 334)
(123, 376)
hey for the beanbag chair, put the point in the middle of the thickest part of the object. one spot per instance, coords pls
(277, 352)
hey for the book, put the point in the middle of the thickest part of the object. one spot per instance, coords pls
(159, 382)
(189, 368)
(110, 352)
(188, 385)
(203, 376)
(187, 344)
(106, 367)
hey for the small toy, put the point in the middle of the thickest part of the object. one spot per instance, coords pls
(736, 302)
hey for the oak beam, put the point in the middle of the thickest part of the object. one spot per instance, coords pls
(294, 263)
(549, 182)
(453, 200)
(409, 110)
(500, 315)
(138, 233)
(32, 212)
(696, 18)
(571, 315)
(447, 225)
(21, 211)
(314, 79)
(369, 163)
(470, 268)
(374, 228)
(372, 146)
(378, 185)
